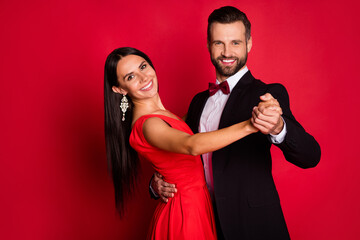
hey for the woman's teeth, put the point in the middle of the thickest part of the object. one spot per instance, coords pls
(147, 86)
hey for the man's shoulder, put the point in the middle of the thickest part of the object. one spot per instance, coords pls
(269, 87)
(277, 90)
(199, 99)
(257, 88)
(201, 95)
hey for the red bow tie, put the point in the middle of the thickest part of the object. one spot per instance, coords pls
(224, 86)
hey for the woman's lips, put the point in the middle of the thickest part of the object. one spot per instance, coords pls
(147, 87)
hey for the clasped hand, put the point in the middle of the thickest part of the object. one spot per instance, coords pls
(266, 116)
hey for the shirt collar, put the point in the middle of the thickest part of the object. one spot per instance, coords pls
(234, 79)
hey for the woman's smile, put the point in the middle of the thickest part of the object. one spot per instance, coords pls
(148, 87)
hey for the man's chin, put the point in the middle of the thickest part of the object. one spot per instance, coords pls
(228, 72)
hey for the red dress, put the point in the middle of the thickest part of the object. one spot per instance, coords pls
(189, 214)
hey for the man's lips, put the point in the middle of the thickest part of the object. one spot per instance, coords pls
(227, 61)
(147, 87)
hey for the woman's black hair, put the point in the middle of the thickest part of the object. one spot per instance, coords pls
(122, 159)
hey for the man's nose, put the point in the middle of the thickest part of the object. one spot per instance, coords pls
(226, 51)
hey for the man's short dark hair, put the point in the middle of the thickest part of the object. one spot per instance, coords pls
(229, 14)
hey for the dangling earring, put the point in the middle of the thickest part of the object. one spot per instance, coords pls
(124, 106)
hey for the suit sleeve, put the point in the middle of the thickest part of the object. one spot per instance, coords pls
(298, 147)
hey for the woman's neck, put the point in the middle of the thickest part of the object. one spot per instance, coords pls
(147, 106)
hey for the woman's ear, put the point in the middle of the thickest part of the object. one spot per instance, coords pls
(119, 90)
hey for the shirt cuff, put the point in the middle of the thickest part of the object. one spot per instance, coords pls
(279, 138)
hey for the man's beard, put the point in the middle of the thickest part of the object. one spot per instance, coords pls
(229, 71)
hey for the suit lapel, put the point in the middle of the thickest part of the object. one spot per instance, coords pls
(233, 101)
(200, 102)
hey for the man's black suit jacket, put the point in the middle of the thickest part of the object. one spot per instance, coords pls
(247, 204)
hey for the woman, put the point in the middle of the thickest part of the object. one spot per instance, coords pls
(142, 123)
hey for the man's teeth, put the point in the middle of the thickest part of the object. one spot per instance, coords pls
(147, 86)
(228, 61)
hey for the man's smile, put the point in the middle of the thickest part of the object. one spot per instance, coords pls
(227, 61)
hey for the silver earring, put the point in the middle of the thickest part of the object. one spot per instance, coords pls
(124, 106)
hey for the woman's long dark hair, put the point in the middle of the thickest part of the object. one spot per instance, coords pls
(122, 158)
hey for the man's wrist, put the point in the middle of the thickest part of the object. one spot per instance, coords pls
(153, 192)
(279, 138)
(278, 128)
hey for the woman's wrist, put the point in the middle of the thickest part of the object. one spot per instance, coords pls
(250, 127)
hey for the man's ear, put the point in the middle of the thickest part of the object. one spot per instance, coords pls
(249, 44)
(119, 90)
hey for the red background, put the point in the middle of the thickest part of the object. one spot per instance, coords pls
(54, 182)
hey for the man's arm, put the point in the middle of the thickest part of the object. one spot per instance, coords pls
(298, 146)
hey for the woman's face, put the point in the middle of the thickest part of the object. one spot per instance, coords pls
(136, 77)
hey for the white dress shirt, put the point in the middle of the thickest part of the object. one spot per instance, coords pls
(210, 119)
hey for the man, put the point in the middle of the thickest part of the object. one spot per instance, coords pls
(239, 178)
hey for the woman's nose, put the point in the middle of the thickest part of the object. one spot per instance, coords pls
(143, 77)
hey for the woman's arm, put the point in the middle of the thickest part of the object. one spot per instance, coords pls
(159, 134)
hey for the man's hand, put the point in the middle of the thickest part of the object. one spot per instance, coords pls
(267, 115)
(163, 189)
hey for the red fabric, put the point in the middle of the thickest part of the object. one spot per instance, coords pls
(189, 214)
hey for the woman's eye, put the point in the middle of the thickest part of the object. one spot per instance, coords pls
(130, 77)
(143, 66)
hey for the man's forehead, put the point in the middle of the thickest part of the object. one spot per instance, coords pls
(227, 29)
(238, 25)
